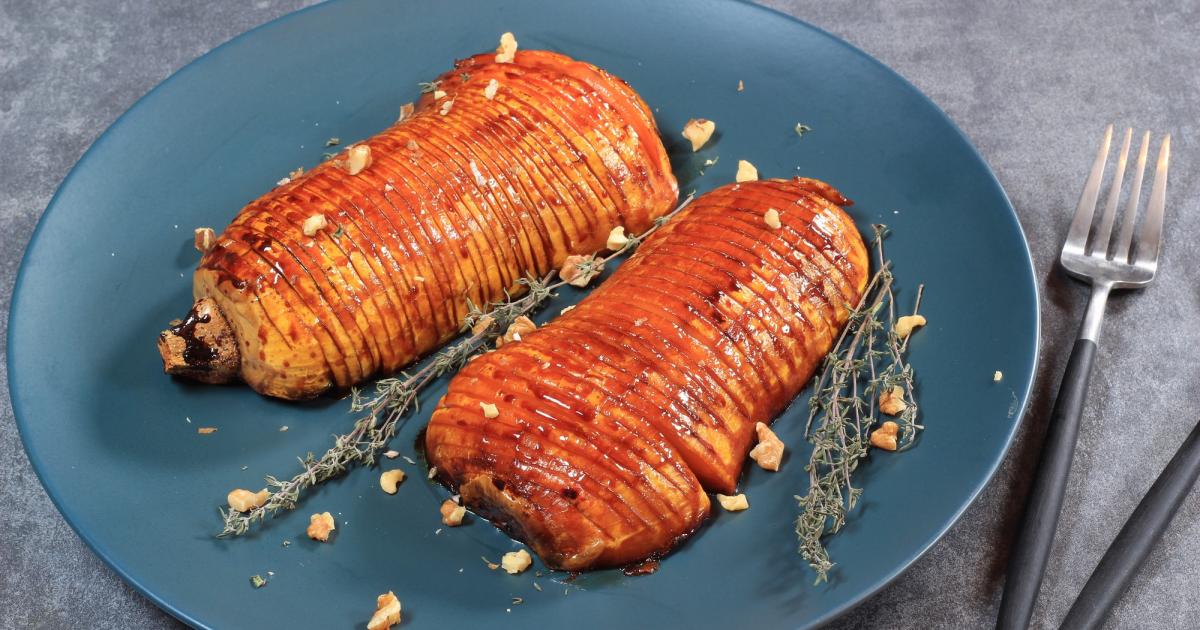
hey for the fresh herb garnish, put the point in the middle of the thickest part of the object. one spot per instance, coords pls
(465, 77)
(802, 129)
(867, 359)
(338, 232)
(333, 142)
(428, 87)
(395, 397)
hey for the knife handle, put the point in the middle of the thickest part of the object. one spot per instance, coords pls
(1143, 529)
(1028, 561)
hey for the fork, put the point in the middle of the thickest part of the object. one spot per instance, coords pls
(1091, 254)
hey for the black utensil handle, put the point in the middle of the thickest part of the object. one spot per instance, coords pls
(1144, 527)
(1028, 560)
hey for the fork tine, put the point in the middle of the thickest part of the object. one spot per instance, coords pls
(1151, 237)
(1104, 230)
(1125, 236)
(1082, 223)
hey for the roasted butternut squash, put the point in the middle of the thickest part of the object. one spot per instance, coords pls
(615, 418)
(365, 263)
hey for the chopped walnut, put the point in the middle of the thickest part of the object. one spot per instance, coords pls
(576, 277)
(452, 513)
(522, 325)
(741, 86)
(892, 402)
(391, 454)
(314, 224)
(998, 376)
(772, 219)
(406, 110)
(617, 238)
(438, 95)
(432, 473)
(768, 453)
(390, 480)
(320, 526)
(243, 500)
(507, 51)
(204, 238)
(284, 182)
(482, 325)
(446, 106)
(906, 324)
(387, 612)
(489, 410)
(515, 562)
(698, 131)
(885, 436)
(489, 92)
(746, 172)
(296, 173)
(358, 158)
(206, 430)
(735, 503)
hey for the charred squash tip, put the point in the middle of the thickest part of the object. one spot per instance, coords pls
(202, 346)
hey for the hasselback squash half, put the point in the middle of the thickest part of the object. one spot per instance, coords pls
(366, 262)
(615, 418)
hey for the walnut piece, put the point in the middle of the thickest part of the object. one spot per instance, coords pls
(998, 376)
(698, 131)
(746, 172)
(515, 562)
(204, 238)
(452, 513)
(489, 410)
(772, 219)
(438, 95)
(320, 526)
(482, 325)
(390, 480)
(358, 158)
(406, 110)
(892, 402)
(885, 436)
(571, 273)
(387, 612)
(768, 453)
(243, 500)
(617, 238)
(507, 51)
(314, 224)
(489, 92)
(735, 503)
(906, 324)
(741, 85)
(446, 106)
(522, 325)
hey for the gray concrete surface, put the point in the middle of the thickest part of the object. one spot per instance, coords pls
(1030, 82)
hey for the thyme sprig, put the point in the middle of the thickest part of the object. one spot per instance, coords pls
(867, 360)
(385, 410)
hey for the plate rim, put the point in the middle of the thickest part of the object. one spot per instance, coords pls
(836, 612)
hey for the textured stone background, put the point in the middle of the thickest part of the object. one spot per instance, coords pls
(1032, 84)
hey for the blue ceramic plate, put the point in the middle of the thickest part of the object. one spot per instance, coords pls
(115, 441)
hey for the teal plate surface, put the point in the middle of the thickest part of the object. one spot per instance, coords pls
(115, 441)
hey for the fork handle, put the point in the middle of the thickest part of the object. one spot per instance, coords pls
(1143, 529)
(1032, 550)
